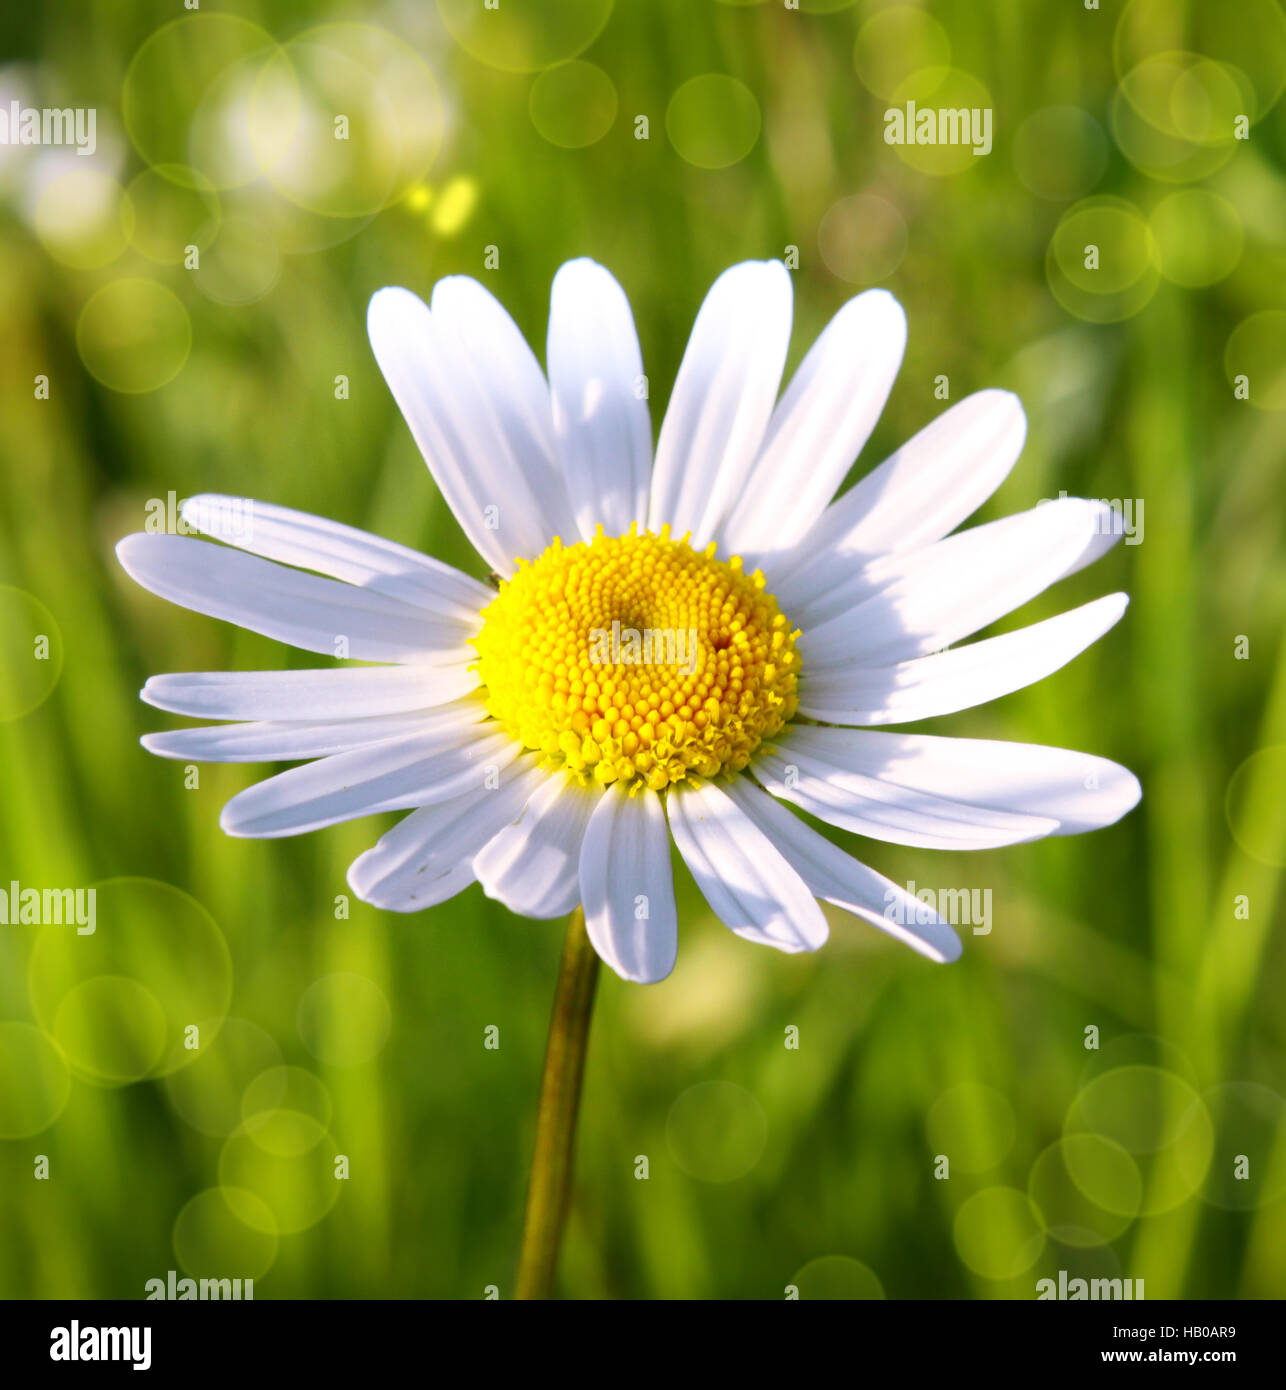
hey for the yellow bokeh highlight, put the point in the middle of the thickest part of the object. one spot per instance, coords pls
(34, 1081)
(997, 1233)
(31, 652)
(713, 121)
(134, 335)
(1255, 358)
(84, 219)
(573, 105)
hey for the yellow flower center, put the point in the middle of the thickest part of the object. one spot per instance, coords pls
(638, 659)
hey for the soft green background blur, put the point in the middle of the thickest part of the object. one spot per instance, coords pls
(762, 1159)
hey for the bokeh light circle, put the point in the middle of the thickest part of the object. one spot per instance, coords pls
(287, 1166)
(173, 210)
(207, 1092)
(1199, 237)
(973, 1125)
(1059, 152)
(573, 104)
(1248, 38)
(118, 1001)
(1257, 350)
(290, 1090)
(361, 116)
(344, 1019)
(837, 1277)
(862, 239)
(1157, 1117)
(1102, 262)
(134, 335)
(716, 1131)
(1087, 1183)
(113, 1026)
(84, 219)
(176, 99)
(713, 121)
(34, 1081)
(1253, 804)
(1159, 153)
(212, 1242)
(1248, 1169)
(528, 36)
(997, 1233)
(31, 653)
(244, 262)
(896, 42)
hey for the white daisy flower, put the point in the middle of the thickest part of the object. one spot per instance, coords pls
(534, 749)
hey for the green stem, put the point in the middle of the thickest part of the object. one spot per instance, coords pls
(560, 1088)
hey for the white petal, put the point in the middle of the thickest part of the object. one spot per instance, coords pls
(840, 879)
(342, 552)
(838, 786)
(600, 418)
(286, 604)
(625, 864)
(470, 437)
(722, 400)
(824, 418)
(959, 678)
(1005, 792)
(428, 857)
(293, 740)
(345, 692)
(908, 605)
(391, 776)
(919, 494)
(479, 328)
(742, 875)
(531, 865)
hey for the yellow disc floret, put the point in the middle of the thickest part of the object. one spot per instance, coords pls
(638, 659)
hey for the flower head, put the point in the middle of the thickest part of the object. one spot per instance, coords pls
(678, 645)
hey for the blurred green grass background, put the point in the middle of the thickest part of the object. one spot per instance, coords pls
(762, 1160)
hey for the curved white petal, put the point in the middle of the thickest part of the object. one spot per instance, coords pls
(744, 877)
(428, 856)
(959, 678)
(531, 865)
(508, 502)
(293, 740)
(625, 871)
(919, 494)
(908, 605)
(990, 792)
(600, 416)
(344, 692)
(286, 604)
(722, 400)
(840, 879)
(479, 329)
(873, 804)
(342, 552)
(824, 418)
(391, 776)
